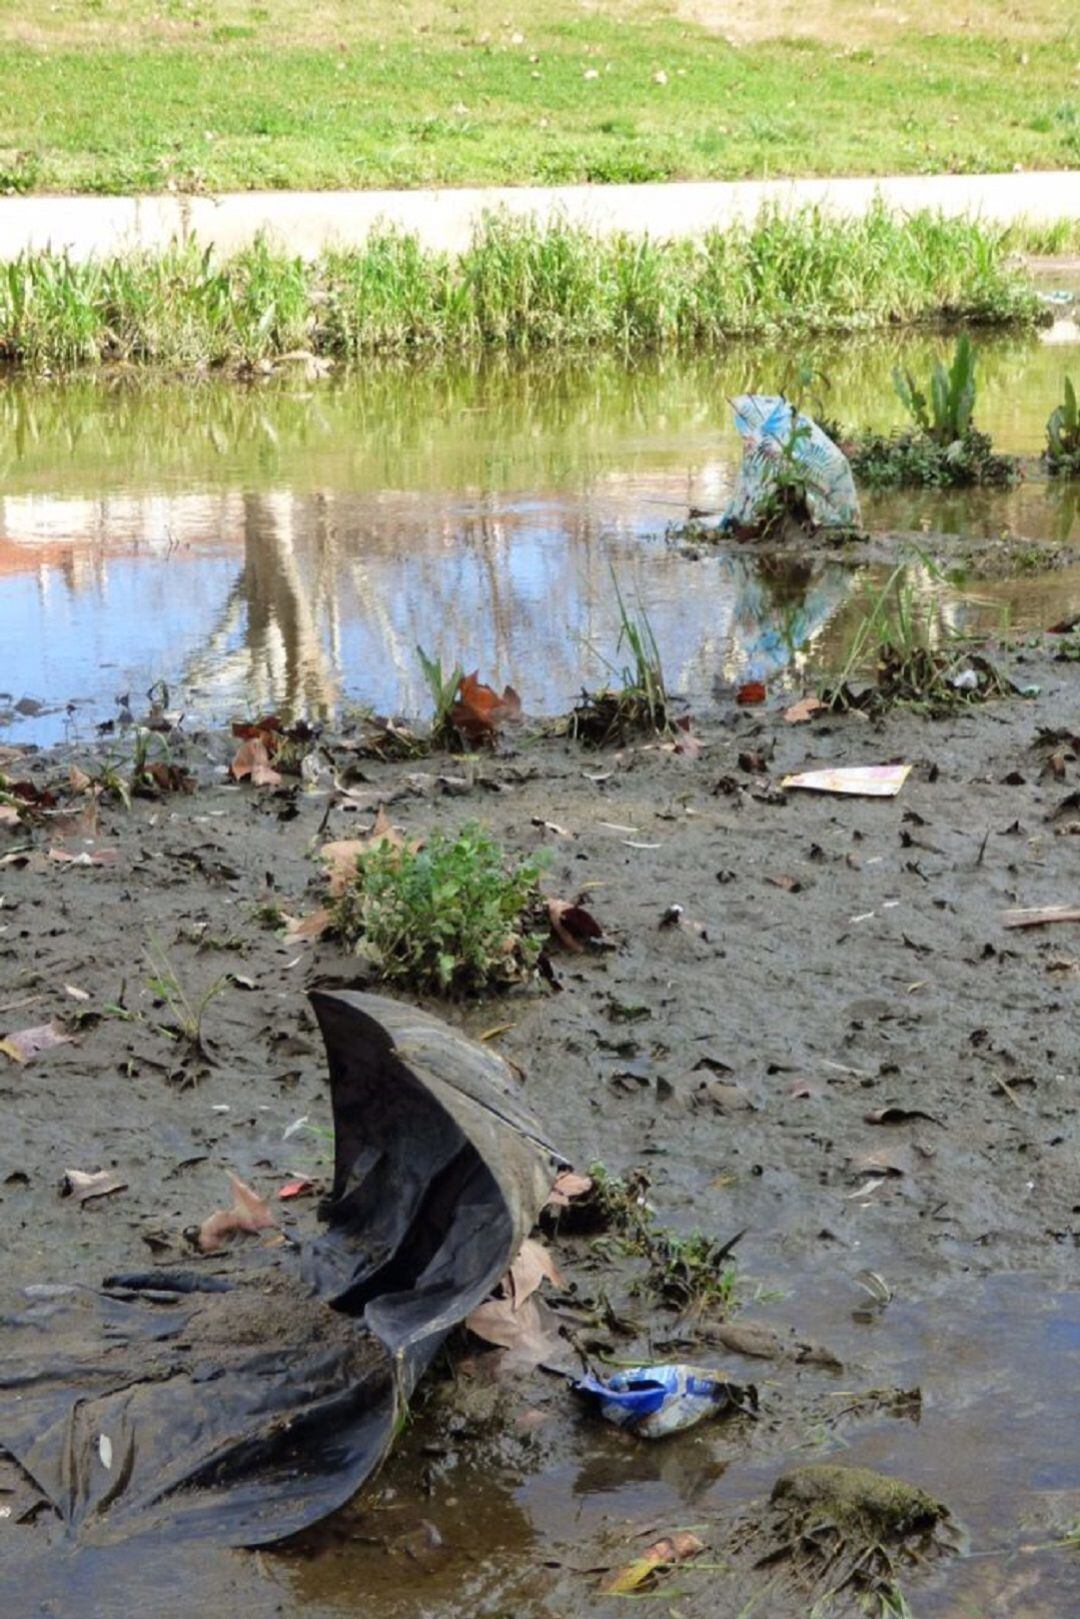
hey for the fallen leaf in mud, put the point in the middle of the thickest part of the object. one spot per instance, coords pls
(721, 1098)
(805, 709)
(752, 692)
(1065, 626)
(533, 1265)
(572, 925)
(685, 742)
(81, 1185)
(892, 1114)
(76, 993)
(886, 1161)
(665, 1553)
(530, 1332)
(161, 777)
(85, 857)
(9, 815)
(1038, 917)
(340, 857)
(30, 794)
(252, 760)
(761, 1342)
(567, 1185)
(78, 780)
(868, 781)
(790, 885)
(29, 1043)
(305, 929)
(801, 1090)
(249, 1213)
(479, 712)
(297, 1188)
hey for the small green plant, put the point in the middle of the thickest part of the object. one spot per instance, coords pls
(1063, 436)
(943, 449)
(639, 704)
(187, 1011)
(443, 689)
(451, 917)
(690, 1272)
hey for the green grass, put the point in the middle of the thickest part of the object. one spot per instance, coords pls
(518, 287)
(451, 917)
(125, 95)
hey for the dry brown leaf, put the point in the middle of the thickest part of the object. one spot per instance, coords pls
(804, 710)
(305, 929)
(9, 815)
(529, 1333)
(252, 760)
(662, 1554)
(340, 857)
(533, 1265)
(78, 780)
(567, 1185)
(29, 1043)
(81, 1184)
(479, 712)
(249, 1213)
(572, 925)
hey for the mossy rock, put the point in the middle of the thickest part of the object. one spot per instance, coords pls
(857, 1498)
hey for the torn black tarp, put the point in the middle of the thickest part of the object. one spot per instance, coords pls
(247, 1412)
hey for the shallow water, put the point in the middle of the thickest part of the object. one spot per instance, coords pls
(287, 545)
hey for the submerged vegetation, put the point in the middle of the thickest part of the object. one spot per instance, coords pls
(517, 287)
(943, 448)
(452, 917)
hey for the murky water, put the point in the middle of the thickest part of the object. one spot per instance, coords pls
(289, 545)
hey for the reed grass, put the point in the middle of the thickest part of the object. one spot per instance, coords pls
(518, 287)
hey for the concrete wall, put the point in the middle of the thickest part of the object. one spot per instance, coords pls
(305, 222)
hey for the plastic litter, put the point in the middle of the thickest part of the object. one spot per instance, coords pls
(772, 430)
(244, 1400)
(864, 781)
(654, 1401)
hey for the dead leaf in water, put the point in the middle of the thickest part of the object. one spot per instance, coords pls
(665, 1553)
(81, 1184)
(27, 1044)
(249, 1213)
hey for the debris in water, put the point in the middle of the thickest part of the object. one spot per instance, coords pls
(654, 1401)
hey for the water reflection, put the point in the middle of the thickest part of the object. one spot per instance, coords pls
(290, 547)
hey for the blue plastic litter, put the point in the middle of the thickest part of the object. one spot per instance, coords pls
(772, 431)
(656, 1400)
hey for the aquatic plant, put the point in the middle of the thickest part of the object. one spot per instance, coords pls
(518, 286)
(443, 689)
(1063, 436)
(944, 448)
(639, 703)
(452, 917)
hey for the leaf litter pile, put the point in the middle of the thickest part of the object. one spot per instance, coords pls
(789, 1039)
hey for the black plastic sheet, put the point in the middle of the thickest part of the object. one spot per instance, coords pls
(247, 1399)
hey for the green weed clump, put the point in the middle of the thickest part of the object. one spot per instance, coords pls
(638, 705)
(1063, 436)
(452, 917)
(518, 287)
(943, 448)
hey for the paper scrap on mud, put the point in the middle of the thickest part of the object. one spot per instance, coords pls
(864, 781)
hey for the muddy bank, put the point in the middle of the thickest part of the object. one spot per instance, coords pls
(839, 1048)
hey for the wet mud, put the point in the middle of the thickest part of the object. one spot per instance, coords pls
(837, 1049)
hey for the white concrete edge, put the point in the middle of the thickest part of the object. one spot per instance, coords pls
(307, 222)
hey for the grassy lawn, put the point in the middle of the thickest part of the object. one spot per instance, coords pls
(137, 95)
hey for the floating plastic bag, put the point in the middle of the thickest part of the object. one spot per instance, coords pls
(771, 431)
(656, 1400)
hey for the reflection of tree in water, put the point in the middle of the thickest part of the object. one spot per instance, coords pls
(267, 640)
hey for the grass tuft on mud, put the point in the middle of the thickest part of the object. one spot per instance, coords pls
(452, 917)
(518, 287)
